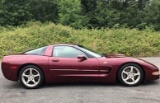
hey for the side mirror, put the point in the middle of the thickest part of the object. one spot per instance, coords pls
(81, 57)
(104, 54)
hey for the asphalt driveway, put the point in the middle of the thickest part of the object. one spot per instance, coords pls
(13, 92)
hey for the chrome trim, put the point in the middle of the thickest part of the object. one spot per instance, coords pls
(73, 70)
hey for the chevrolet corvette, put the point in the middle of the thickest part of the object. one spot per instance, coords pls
(74, 63)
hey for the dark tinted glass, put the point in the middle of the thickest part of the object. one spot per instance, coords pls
(39, 51)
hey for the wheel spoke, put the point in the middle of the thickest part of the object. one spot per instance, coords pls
(136, 74)
(24, 75)
(37, 75)
(30, 71)
(133, 79)
(131, 70)
(125, 72)
(28, 81)
(34, 81)
(126, 78)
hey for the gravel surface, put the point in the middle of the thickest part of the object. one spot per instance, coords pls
(13, 92)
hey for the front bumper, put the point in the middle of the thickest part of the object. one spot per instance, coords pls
(152, 75)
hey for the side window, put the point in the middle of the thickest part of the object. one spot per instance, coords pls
(39, 51)
(66, 52)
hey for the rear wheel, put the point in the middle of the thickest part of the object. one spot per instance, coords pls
(31, 77)
(130, 74)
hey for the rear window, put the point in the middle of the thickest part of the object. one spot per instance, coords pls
(39, 51)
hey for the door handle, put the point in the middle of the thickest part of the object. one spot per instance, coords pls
(55, 60)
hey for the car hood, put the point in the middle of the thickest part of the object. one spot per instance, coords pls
(115, 56)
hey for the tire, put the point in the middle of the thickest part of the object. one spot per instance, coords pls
(130, 74)
(31, 77)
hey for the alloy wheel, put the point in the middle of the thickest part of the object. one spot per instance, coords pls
(130, 75)
(31, 77)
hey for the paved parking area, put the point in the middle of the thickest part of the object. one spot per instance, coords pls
(13, 92)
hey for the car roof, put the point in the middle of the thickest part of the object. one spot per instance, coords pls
(65, 45)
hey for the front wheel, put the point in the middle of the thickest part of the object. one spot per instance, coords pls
(130, 74)
(31, 77)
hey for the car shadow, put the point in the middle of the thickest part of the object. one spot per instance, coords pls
(14, 85)
(78, 85)
(148, 83)
(17, 85)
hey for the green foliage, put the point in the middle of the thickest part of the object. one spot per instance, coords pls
(152, 15)
(70, 13)
(122, 13)
(13, 12)
(79, 14)
(131, 42)
(43, 10)
(16, 12)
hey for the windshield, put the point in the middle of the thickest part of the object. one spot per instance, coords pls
(91, 52)
(39, 51)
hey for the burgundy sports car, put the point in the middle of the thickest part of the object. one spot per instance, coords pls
(74, 63)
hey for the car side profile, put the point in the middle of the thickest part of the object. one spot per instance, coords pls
(61, 63)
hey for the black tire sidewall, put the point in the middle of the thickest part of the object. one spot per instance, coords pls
(40, 72)
(130, 64)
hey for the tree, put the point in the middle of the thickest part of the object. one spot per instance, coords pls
(43, 10)
(13, 12)
(16, 12)
(152, 14)
(69, 12)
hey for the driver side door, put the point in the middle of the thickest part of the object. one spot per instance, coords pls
(65, 66)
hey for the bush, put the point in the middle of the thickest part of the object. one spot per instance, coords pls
(131, 42)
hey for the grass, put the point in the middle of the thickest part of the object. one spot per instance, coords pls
(131, 42)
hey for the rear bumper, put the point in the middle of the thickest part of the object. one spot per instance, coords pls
(10, 74)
